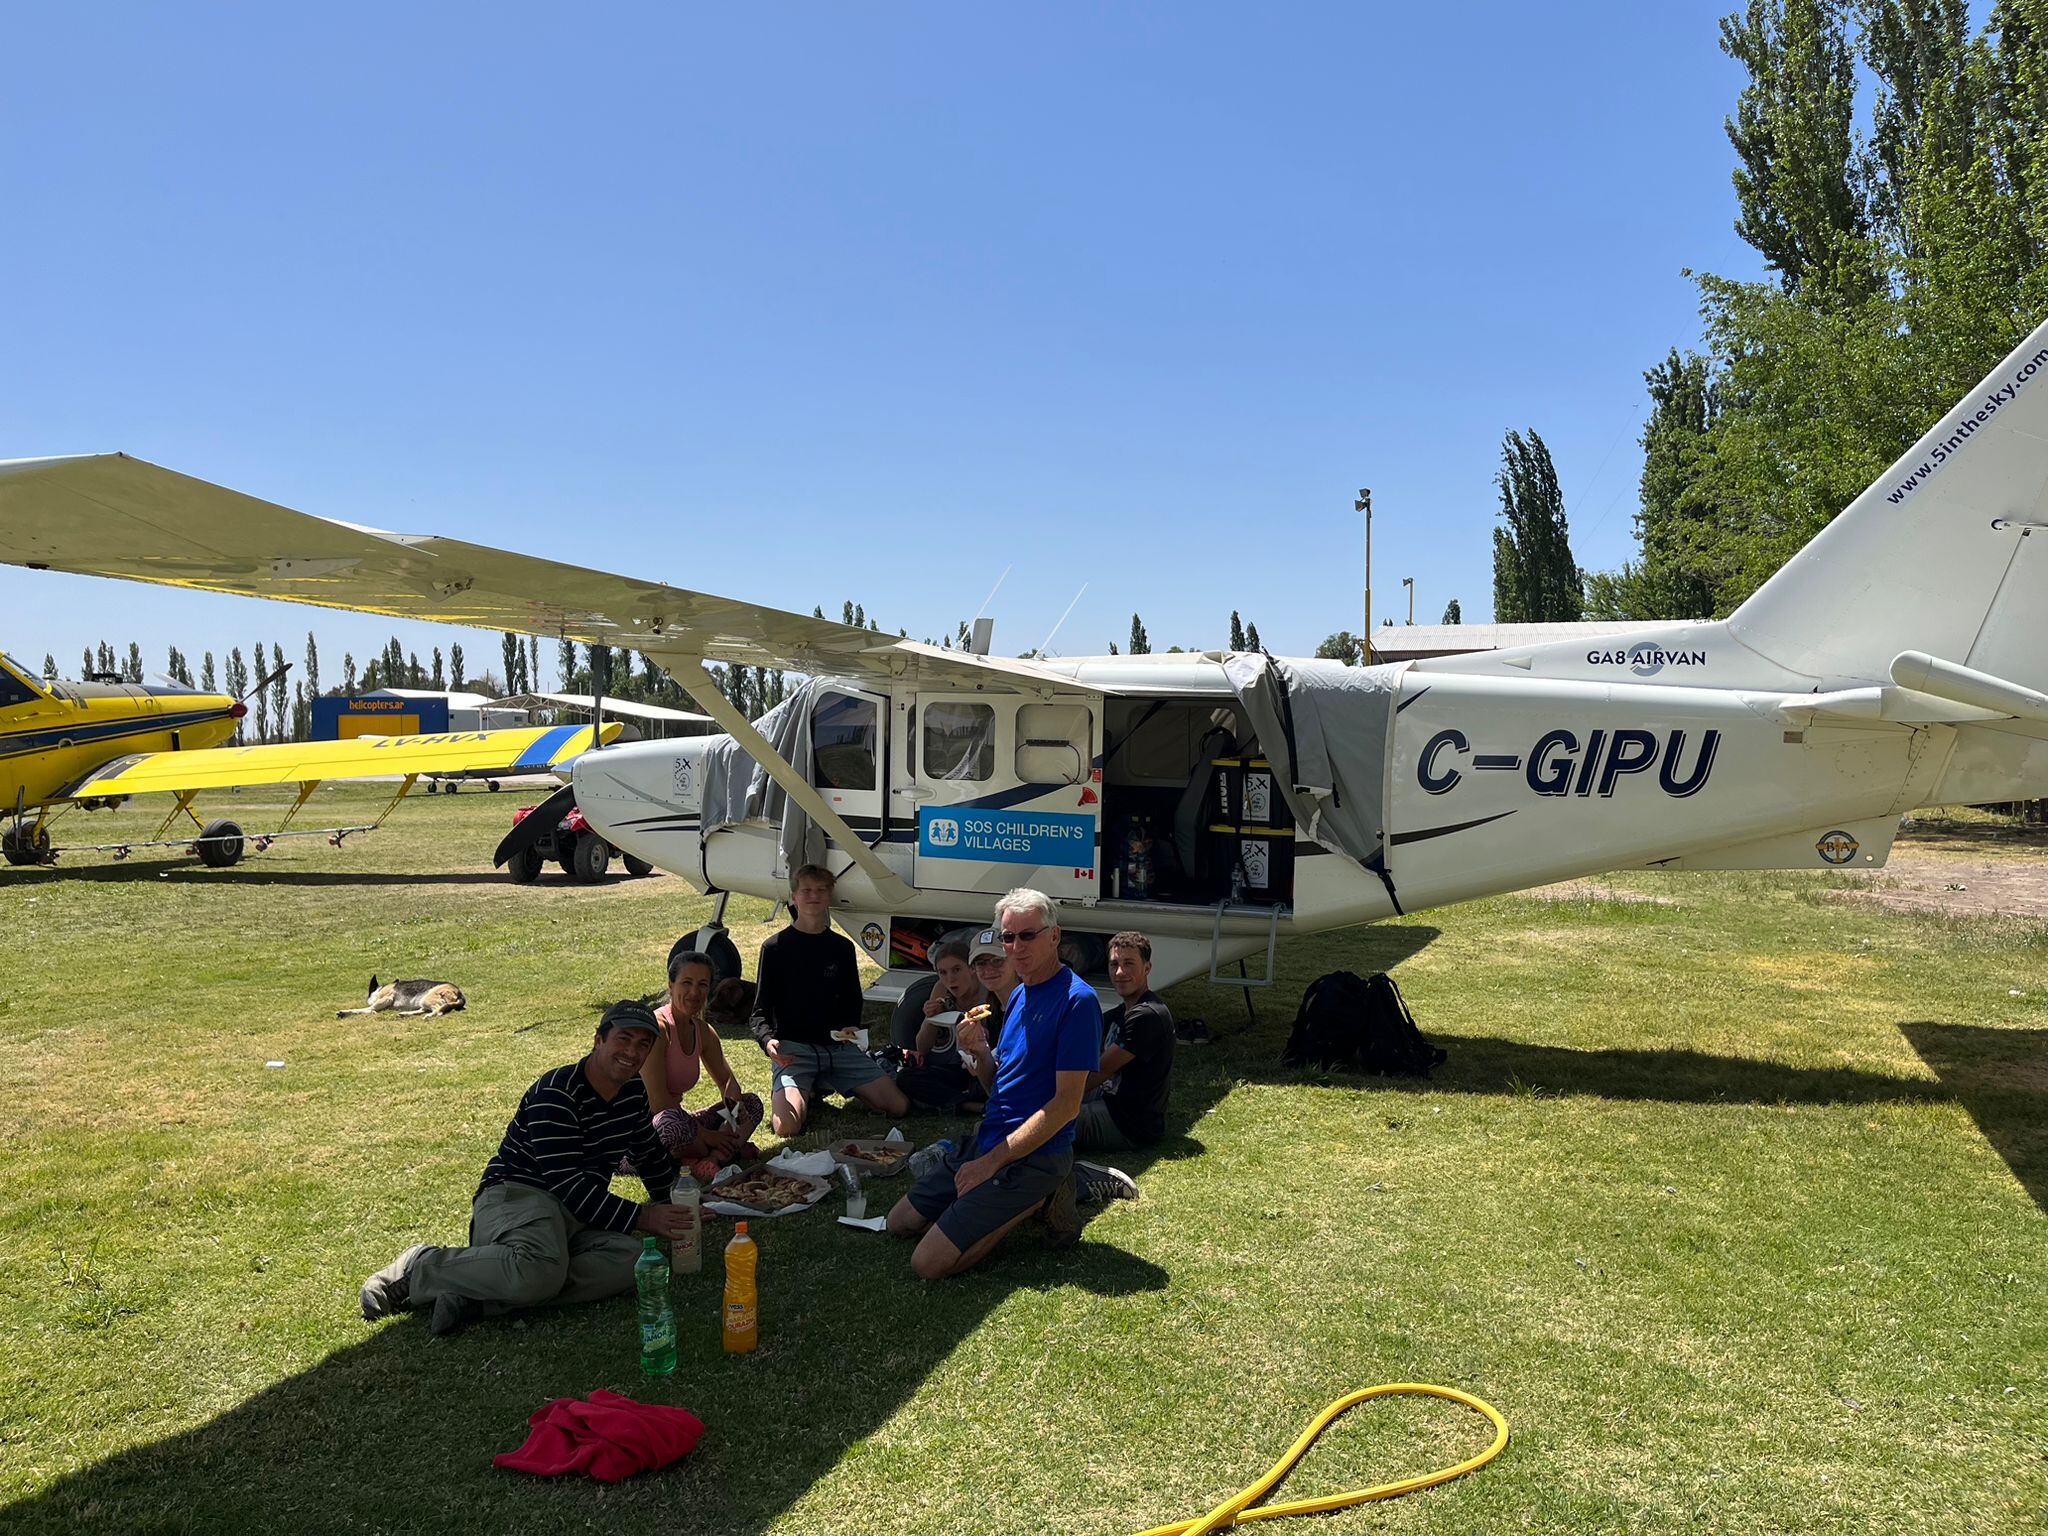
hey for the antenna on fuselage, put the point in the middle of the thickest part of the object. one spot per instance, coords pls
(1061, 620)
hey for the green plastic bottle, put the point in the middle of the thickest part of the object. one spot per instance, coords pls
(657, 1317)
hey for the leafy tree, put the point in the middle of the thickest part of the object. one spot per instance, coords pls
(106, 660)
(88, 668)
(1112, 648)
(509, 644)
(312, 677)
(1141, 644)
(1236, 631)
(1535, 580)
(457, 679)
(238, 684)
(566, 661)
(438, 678)
(1453, 614)
(348, 672)
(280, 691)
(1343, 646)
(132, 668)
(49, 664)
(1251, 638)
(600, 669)
(1793, 133)
(529, 669)
(206, 672)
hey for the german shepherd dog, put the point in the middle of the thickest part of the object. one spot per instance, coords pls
(410, 999)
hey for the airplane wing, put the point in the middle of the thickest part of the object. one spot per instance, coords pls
(112, 515)
(533, 750)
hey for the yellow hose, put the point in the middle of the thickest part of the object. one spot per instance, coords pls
(1234, 1510)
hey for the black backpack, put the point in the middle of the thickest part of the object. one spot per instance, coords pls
(1358, 1024)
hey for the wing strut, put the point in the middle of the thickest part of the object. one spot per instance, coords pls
(697, 682)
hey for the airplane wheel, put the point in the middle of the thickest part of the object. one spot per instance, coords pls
(220, 845)
(25, 847)
(592, 858)
(637, 867)
(524, 866)
(493, 783)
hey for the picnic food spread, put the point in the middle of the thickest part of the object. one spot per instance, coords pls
(888, 1156)
(766, 1191)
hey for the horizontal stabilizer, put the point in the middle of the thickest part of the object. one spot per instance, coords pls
(1966, 685)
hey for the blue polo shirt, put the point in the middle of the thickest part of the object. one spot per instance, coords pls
(1051, 1028)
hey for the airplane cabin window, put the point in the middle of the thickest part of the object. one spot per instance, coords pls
(844, 734)
(959, 741)
(13, 690)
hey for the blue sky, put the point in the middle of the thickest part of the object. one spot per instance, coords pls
(801, 304)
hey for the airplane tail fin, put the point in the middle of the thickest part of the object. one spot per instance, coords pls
(1945, 554)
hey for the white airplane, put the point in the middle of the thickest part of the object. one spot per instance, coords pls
(1221, 801)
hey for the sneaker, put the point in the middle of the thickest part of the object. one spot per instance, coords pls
(1192, 1032)
(1062, 1219)
(390, 1289)
(452, 1314)
(1096, 1184)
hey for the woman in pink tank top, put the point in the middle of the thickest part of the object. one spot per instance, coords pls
(706, 1141)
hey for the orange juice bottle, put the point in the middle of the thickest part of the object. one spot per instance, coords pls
(742, 1314)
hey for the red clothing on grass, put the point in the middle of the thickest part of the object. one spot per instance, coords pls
(609, 1437)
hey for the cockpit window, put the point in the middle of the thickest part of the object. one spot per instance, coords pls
(14, 691)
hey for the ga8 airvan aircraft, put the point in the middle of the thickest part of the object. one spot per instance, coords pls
(1222, 801)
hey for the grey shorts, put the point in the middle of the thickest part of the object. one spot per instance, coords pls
(1096, 1130)
(991, 1204)
(834, 1068)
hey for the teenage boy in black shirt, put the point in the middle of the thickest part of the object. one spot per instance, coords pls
(1126, 1104)
(809, 996)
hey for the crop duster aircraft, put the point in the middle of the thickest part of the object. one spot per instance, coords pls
(1219, 801)
(65, 745)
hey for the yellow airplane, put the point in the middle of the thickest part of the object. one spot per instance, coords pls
(66, 745)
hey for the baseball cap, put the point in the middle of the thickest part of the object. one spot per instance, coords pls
(628, 1014)
(986, 942)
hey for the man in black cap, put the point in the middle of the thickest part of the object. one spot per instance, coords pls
(544, 1227)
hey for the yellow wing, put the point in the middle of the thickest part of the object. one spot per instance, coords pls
(533, 750)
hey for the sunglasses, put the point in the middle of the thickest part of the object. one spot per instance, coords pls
(1024, 937)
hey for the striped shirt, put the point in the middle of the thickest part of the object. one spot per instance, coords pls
(566, 1140)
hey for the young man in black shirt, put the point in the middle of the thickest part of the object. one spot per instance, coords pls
(1126, 1104)
(807, 1009)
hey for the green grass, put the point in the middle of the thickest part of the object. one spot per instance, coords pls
(1732, 1203)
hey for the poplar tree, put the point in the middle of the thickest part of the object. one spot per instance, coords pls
(348, 672)
(133, 669)
(1236, 632)
(206, 672)
(509, 647)
(1141, 645)
(280, 694)
(1535, 580)
(238, 685)
(87, 670)
(1251, 638)
(1453, 614)
(312, 677)
(455, 675)
(567, 663)
(49, 664)
(1793, 133)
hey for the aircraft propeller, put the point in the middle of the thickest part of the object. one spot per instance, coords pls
(535, 824)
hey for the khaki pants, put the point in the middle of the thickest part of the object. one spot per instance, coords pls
(526, 1250)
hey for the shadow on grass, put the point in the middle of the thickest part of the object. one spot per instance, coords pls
(2001, 1077)
(245, 874)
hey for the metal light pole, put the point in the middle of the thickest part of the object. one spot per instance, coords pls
(1409, 583)
(1364, 504)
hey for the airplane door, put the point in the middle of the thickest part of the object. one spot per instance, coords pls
(848, 763)
(1008, 793)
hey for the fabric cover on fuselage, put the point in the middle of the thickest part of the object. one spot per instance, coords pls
(1327, 730)
(737, 789)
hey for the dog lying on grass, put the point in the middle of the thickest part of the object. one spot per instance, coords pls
(410, 999)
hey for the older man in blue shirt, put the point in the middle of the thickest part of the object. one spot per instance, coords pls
(1021, 1161)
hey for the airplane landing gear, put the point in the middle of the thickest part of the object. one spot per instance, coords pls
(220, 845)
(23, 844)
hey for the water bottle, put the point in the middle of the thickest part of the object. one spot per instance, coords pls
(742, 1310)
(688, 1247)
(925, 1159)
(657, 1317)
